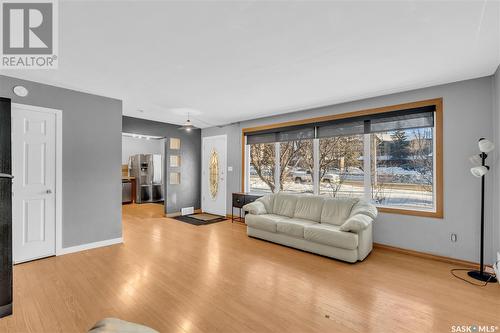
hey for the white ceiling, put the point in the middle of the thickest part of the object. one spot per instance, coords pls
(232, 61)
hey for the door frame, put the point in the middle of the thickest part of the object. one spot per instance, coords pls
(58, 165)
(224, 136)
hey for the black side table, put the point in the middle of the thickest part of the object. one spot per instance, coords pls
(239, 200)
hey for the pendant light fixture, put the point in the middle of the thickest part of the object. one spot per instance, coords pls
(188, 126)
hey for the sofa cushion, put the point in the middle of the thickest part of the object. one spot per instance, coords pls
(266, 222)
(328, 234)
(337, 210)
(284, 204)
(293, 227)
(309, 208)
(356, 223)
(256, 208)
(366, 208)
(268, 201)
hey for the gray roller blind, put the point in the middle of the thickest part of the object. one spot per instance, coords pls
(298, 134)
(383, 122)
(253, 139)
(281, 135)
(402, 122)
(341, 128)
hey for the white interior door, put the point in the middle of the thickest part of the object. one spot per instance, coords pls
(34, 171)
(214, 170)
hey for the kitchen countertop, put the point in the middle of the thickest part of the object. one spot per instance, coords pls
(127, 178)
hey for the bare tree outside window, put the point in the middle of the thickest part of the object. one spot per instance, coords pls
(341, 166)
(262, 171)
(296, 166)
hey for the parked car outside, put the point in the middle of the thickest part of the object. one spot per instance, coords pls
(330, 178)
(265, 172)
(302, 176)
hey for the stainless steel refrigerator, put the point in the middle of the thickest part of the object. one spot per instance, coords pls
(5, 210)
(148, 172)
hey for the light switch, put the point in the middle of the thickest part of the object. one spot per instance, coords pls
(229, 168)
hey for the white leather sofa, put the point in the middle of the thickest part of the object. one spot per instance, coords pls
(337, 228)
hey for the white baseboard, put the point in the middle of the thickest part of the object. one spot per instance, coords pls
(88, 246)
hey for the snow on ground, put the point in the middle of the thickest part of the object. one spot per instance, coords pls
(410, 196)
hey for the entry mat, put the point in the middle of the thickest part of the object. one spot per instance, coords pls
(200, 219)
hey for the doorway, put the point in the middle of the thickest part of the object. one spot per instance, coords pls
(36, 188)
(214, 169)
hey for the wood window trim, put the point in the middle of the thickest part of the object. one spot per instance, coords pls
(438, 125)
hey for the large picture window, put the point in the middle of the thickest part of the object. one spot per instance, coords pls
(390, 156)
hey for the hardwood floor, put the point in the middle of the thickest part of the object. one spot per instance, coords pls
(176, 277)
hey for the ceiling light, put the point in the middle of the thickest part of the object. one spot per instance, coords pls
(20, 91)
(142, 136)
(188, 125)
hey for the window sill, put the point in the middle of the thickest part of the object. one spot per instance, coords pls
(437, 214)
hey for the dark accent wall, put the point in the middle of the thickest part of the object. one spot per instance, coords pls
(188, 192)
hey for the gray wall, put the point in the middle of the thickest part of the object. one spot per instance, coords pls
(91, 159)
(188, 192)
(468, 114)
(495, 235)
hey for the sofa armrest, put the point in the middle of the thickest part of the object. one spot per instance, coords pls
(356, 223)
(255, 208)
(366, 208)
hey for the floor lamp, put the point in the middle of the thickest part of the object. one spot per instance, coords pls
(485, 146)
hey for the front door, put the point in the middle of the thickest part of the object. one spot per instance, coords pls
(214, 166)
(33, 168)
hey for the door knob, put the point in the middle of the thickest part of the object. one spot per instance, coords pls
(48, 191)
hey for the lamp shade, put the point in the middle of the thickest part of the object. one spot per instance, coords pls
(486, 145)
(479, 171)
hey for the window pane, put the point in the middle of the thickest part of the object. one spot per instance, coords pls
(296, 166)
(262, 162)
(341, 166)
(402, 168)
